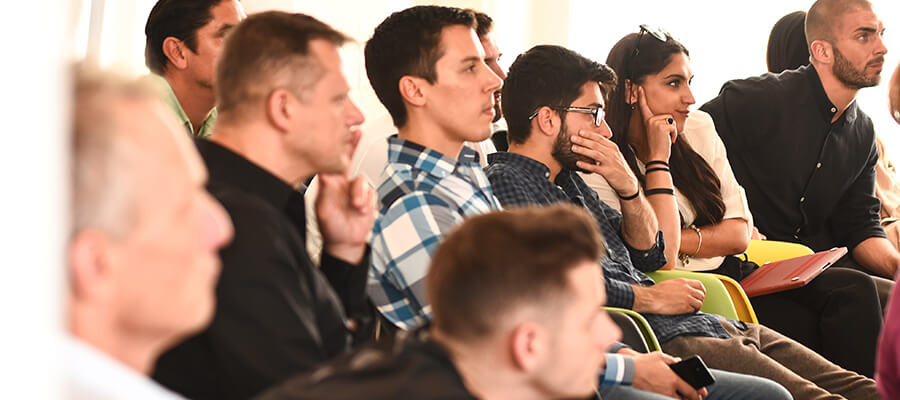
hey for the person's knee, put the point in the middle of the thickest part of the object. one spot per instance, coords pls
(729, 384)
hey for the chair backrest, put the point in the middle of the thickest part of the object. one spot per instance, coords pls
(632, 335)
(644, 326)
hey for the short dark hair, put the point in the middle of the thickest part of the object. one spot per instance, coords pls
(485, 23)
(267, 51)
(547, 75)
(408, 42)
(495, 262)
(174, 18)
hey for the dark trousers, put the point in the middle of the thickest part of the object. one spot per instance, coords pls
(838, 315)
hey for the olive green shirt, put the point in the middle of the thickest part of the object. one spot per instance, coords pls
(169, 98)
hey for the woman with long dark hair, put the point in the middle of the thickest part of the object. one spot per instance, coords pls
(838, 314)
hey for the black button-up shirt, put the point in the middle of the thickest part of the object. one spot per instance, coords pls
(521, 181)
(276, 313)
(807, 179)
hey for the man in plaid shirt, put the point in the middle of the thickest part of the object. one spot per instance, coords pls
(428, 68)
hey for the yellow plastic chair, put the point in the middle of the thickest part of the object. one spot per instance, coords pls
(763, 251)
(724, 296)
(643, 325)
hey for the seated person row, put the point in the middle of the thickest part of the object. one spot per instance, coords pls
(554, 101)
(497, 283)
(284, 115)
(838, 314)
(426, 192)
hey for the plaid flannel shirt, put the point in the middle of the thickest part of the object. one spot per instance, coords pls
(518, 181)
(422, 196)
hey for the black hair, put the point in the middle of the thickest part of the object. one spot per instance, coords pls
(547, 75)
(174, 18)
(691, 174)
(408, 42)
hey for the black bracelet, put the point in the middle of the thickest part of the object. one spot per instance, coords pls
(632, 197)
(657, 169)
(651, 192)
(663, 163)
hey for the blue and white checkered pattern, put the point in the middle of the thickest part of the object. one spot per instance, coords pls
(519, 181)
(423, 195)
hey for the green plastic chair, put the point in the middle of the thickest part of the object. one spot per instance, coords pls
(724, 296)
(643, 325)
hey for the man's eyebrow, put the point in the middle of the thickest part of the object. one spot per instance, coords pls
(866, 29)
(470, 59)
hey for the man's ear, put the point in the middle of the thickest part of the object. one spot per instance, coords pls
(548, 121)
(822, 52)
(528, 345)
(280, 109)
(174, 49)
(90, 272)
(412, 90)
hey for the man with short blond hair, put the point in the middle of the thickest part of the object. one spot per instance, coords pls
(141, 258)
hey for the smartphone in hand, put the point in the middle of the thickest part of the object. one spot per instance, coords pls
(694, 372)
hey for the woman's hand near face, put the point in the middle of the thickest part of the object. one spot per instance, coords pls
(660, 128)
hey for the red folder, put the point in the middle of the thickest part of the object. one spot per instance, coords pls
(778, 276)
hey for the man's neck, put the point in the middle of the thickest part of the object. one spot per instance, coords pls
(196, 100)
(539, 153)
(137, 352)
(432, 136)
(259, 143)
(485, 376)
(839, 94)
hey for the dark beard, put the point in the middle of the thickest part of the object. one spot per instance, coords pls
(850, 76)
(562, 150)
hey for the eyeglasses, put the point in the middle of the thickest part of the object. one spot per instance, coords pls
(597, 112)
(657, 33)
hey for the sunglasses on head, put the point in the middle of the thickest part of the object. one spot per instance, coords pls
(657, 33)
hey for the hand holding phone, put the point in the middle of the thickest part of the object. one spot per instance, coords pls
(694, 372)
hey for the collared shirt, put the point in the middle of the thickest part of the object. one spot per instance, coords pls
(276, 313)
(169, 98)
(520, 181)
(807, 179)
(423, 194)
(91, 374)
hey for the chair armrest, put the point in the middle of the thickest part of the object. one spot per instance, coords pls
(724, 296)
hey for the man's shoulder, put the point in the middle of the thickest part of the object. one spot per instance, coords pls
(415, 370)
